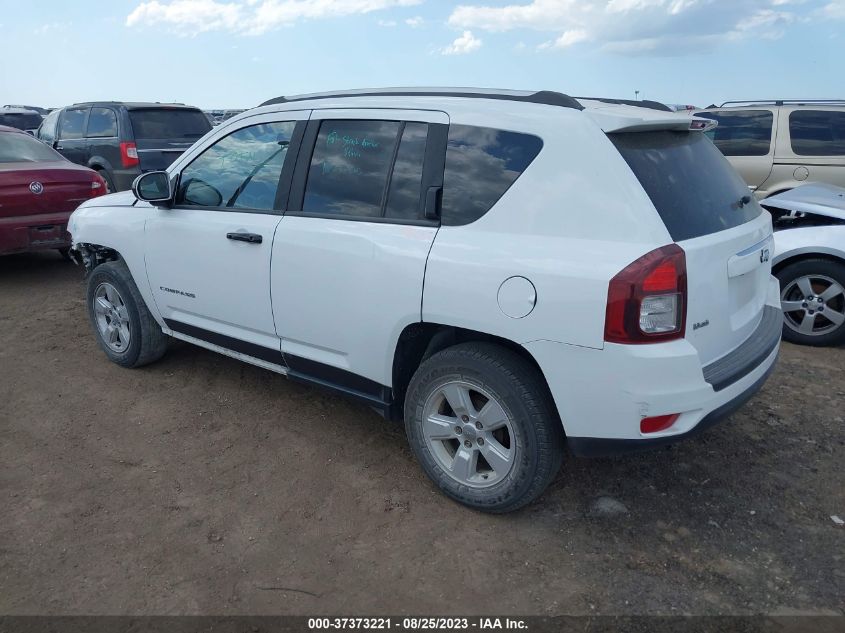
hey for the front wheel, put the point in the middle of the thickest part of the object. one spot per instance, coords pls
(482, 425)
(124, 327)
(813, 302)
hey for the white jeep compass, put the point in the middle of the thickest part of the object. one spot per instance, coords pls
(510, 272)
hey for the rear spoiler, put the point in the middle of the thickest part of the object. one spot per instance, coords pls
(628, 119)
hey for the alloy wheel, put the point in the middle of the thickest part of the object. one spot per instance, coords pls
(469, 433)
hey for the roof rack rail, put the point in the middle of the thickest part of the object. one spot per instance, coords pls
(780, 102)
(545, 97)
(645, 103)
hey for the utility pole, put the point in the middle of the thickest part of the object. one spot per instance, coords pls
(636, 95)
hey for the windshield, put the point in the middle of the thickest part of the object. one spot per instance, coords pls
(693, 187)
(17, 148)
(169, 123)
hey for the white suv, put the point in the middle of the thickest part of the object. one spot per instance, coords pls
(509, 272)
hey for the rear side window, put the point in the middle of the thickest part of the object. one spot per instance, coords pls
(694, 189)
(168, 123)
(102, 123)
(73, 124)
(481, 164)
(745, 133)
(817, 132)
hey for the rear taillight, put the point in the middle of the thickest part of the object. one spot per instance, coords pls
(98, 186)
(128, 154)
(646, 302)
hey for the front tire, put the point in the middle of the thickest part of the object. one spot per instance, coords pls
(123, 326)
(482, 425)
(813, 302)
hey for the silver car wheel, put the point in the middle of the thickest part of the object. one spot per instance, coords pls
(469, 434)
(813, 305)
(112, 317)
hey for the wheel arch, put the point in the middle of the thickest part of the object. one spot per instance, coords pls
(802, 254)
(419, 341)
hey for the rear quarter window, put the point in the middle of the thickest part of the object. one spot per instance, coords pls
(745, 133)
(481, 165)
(693, 187)
(817, 132)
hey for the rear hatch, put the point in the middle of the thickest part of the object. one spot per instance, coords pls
(63, 186)
(162, 134)
(725, 234)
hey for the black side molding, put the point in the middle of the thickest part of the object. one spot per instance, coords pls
(260, 352)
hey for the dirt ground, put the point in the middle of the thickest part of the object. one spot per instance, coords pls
(204, 485)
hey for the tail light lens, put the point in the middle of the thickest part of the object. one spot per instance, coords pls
(646, 302)
(129, 155)
(98, 186)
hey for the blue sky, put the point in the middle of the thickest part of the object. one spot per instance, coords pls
(237, 53)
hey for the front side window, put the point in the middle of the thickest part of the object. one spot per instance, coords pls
(102, 123)
(741, 133)
(817, 132)
(481, 165)
(73, 124)
(349, 169)
(240, 171)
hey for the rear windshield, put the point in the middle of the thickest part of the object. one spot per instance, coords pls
(168, 123)
(694, 188)
(23, 148)
(21, 121)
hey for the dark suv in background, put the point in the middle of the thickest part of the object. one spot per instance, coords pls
(121, 140)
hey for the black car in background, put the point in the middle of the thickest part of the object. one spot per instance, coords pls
(20, 118)
(121, 140)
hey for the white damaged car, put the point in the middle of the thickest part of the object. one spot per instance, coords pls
(809, 262)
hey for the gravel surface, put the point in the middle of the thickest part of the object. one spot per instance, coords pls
(203, 485)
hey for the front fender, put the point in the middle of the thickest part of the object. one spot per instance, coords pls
(809, 240)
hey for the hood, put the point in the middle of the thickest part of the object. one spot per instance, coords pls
(814, 198)
(119, 199)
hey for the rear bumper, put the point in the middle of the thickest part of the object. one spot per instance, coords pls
(603, 447)
(34, 232)
(602, 395)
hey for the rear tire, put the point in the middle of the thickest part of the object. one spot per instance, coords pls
(480, 421)
(123, 326)
(109, 182)
(813, 302)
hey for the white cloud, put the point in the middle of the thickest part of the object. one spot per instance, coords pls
(51, 28)
(249, 17)
(639, 26)
(466, 43)
(835, 10)
(387, 23)
(415, 21)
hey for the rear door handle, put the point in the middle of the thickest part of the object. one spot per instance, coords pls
(252, 238)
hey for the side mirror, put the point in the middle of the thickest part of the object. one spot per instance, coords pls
(199, 193)
(153, 186)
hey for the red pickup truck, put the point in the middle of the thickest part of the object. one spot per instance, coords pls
(39, 189)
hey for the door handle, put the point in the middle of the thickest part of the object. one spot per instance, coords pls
(252, 238)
